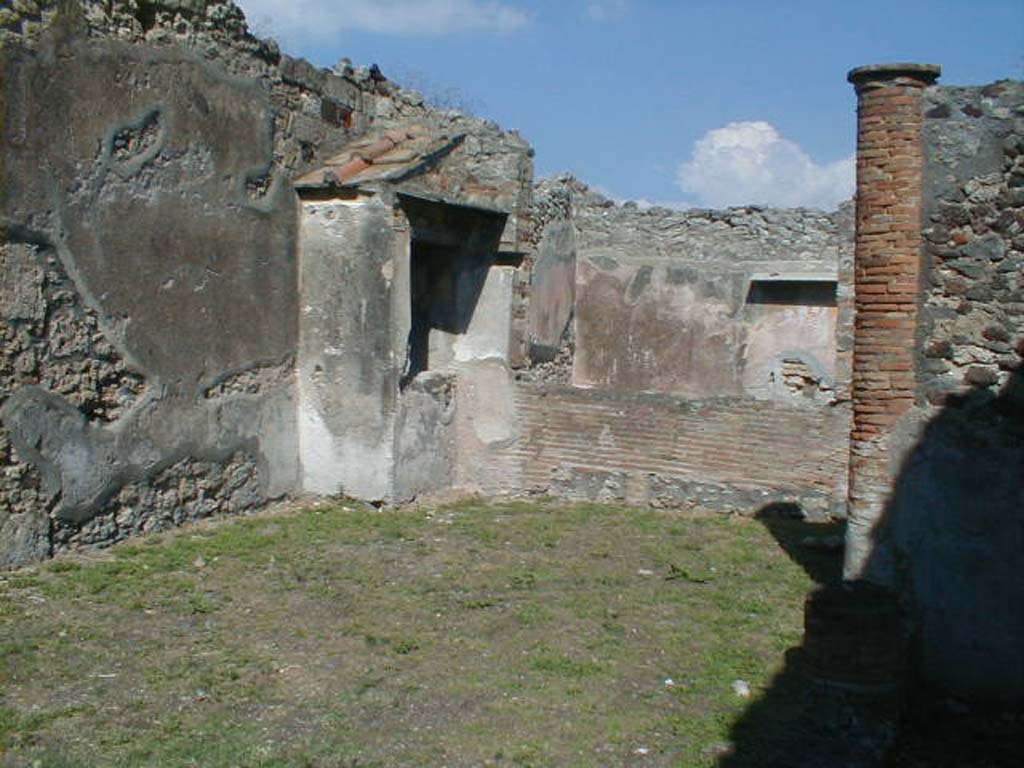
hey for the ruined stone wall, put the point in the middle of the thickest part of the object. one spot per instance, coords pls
(150, 296)
(974, 238)
(656, 372)
(668, 301)
(950, 537)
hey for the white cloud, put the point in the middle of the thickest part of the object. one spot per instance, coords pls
(750, 163)
(607, 10)
(322, 20)
(643, 203)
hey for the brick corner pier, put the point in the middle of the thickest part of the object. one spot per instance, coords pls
(887, 281)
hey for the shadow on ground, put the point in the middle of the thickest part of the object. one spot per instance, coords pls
(953, 525)
(771, 728)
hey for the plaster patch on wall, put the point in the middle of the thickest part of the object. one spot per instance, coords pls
(252, 381)
(488, 333)
(335, 464)
(52, 340)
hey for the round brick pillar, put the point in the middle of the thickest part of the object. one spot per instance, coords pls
(887, 276)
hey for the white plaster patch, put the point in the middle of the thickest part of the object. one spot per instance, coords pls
(332, 464)
(486, 395)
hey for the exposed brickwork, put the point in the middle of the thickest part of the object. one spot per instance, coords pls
(732, 454)
(887, 276)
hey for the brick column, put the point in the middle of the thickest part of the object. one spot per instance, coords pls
(887, 277)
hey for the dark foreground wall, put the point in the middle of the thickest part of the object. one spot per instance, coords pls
(956, 520)
(950, 536)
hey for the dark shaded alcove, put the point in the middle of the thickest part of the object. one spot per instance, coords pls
(451, 251)
(801, 293)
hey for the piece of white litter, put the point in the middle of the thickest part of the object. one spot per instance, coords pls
(644, 572)
(641, 751)
(669, 682)
(741, 688)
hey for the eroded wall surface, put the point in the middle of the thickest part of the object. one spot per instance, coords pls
(663, 298)
(347, 371)
(659, 322)
(150, 295)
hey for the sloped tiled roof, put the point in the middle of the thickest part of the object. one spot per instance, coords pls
(388, 156)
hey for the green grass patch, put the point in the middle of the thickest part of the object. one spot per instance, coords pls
(511, 633)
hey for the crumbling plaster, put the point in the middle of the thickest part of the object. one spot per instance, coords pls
(658, 300)
(148, 149)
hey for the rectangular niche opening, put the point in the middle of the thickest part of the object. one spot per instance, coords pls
(434, 304)
(451, 250)
(796, 292)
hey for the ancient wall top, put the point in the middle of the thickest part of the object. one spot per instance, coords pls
(900, 73)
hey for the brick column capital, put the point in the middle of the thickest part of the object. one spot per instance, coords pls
(887, 75)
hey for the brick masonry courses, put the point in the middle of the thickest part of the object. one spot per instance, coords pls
(887, 278)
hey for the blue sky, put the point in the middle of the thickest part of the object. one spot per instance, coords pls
(694, 102)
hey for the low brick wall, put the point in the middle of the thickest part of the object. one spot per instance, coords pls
(728, 453)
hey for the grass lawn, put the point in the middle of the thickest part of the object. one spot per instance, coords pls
(506, 634)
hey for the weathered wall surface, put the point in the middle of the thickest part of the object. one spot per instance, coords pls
(347, 372)
(150, 292)
(664, 300)
(552, 294)
(693, 382)
(951, 536)
(730, 454)
(154, 355)
(974, 237)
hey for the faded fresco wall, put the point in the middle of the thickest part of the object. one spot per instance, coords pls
(671, 348)
(951, 534)
(149, 381)
(693, 303)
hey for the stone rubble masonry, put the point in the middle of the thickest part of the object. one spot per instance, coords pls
(49, 339)
(973, 308)
(188, 490)
(193, 103)
(887, 277)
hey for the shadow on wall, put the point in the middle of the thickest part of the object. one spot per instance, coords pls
(951, 542)
(952, 538)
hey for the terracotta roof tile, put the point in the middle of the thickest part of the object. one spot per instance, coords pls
(387, 156)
